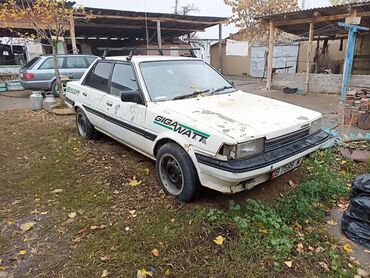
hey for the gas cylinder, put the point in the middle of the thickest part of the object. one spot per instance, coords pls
(49, 101)
(36, 101)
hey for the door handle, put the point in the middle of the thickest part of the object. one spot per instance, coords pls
(84, 94)
(109, 103)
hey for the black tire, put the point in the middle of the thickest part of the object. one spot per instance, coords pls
(84, 127)
(177, 173)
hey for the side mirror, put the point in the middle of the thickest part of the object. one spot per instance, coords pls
(132, 96)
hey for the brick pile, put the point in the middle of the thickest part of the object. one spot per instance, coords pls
(356, 109)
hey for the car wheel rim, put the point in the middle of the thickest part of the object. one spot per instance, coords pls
(81, 124)
(171, 174)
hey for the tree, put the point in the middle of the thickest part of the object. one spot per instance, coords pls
(49, 19)
(246, 14)
(184, 9)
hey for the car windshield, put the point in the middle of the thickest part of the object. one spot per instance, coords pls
(168, 80)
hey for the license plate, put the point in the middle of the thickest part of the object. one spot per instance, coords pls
(286, 168)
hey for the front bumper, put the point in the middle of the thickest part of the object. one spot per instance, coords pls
(224, 175)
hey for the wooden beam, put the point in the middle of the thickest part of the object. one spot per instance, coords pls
(308, 57)
(155, 19)
(159, 36)
(270, 55)
(73, 35)
(22, 25)
(126, 26)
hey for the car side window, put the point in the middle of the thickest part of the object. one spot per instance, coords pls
(123, 79)
(90, 60)
(49, 64)
(98, 77)
(76, 63)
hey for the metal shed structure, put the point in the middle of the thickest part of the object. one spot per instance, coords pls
(315, 24)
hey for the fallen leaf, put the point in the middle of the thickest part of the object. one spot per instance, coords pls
(367, 251)
(93, 227)
(300, 247)
(347, 248)
(105, 258)
(22, 252)
(134, 182)
(9, 222)
(343, 162)
(80, 211)
(288, 263)
(2, 268)
(324, 266)
(132, 212)
(332, 222)
(319, 249)
(72, 215)
(56, 191)
(27, 226)
(146, 171)
(263, 231)
(173, 220)
(142, 273)
(105, 273)
(292, 184)
(219, 240)
(155, 252)
(167, 272)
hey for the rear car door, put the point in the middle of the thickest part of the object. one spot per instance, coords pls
(93, 97)
(75, 67)
(127, 114)
(46, 71)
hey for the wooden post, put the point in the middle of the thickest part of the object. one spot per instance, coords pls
(270, 55)
(220, 46)
(308, 57)
(159, 36)
(73, 35)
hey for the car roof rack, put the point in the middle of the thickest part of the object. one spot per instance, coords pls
(134, 50)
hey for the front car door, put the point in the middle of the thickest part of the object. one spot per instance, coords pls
(128, 116)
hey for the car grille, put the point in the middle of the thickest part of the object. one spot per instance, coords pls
(286, 139)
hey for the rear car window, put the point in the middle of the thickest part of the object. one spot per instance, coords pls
(76, 62)
(98, 77)
(31, 63)
(48, 63)
(90, 60)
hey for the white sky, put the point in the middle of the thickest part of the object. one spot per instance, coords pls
(207, 8)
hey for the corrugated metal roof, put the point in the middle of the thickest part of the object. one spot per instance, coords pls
(289, 21)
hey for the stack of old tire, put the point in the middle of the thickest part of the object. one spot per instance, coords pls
(356, 220)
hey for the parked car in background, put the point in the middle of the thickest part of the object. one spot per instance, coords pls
(39, 73)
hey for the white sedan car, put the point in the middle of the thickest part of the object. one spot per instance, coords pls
(200, 130)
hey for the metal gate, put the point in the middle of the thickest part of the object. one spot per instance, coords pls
(284, 55)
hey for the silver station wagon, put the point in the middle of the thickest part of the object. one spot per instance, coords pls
(39, 73)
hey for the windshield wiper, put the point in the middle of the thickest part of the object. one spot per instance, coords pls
(195, 93)
(221, 89)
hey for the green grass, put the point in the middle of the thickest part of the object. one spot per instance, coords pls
(273, 231)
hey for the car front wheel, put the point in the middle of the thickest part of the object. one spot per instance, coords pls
(84, 127)
(177, 173)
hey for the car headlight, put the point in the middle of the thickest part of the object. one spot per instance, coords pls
(243, 150)
(315, 126)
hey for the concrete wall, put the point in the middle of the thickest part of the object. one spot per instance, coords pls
(319, 83)
(231, 65)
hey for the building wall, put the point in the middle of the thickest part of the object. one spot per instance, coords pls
(231, 65)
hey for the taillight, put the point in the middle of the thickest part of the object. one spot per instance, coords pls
(28, 76)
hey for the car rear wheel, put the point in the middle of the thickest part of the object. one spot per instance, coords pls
(177, 173)
(55, 88)
(84, 127)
